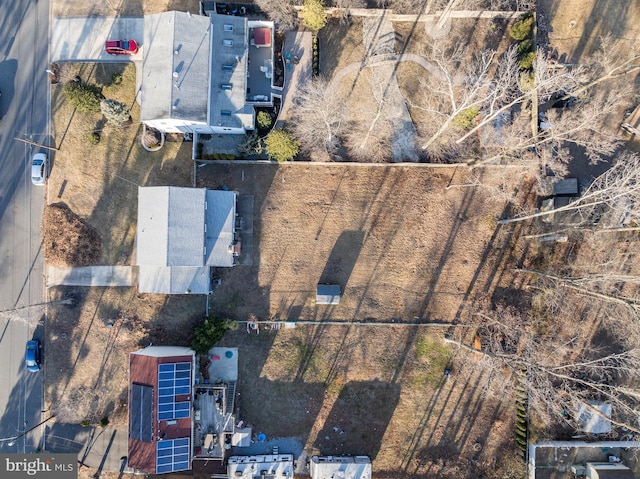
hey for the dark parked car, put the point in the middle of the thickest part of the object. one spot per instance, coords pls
(121, 47)
(32, 357)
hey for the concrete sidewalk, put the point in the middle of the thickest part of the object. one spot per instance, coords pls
(98, 448)
(92, 276)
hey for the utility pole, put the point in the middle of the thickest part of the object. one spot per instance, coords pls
(37, 144)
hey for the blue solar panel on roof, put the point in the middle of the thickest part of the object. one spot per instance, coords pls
(172, 455)
(174, 379)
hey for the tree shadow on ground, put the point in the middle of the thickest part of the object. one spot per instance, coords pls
(359, 418)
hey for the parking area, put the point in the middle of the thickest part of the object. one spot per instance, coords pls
(81, 39)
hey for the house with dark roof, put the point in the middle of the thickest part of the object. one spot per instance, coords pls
(205, 74)
(160, 419)
(181, 414)
(181, 234)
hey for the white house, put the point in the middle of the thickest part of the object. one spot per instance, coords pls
(181, 234)
(205, 74)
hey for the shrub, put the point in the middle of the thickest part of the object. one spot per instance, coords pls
(116, 79)
(151, 138)
(465, 118)
(264, 120)
(104, 422)
(252, 145)
(85, 423)
(93, 137)
(115, 112)
(522, 29)
(525, 46)
(313, 14)
(526, 61)
(209, 332)
(281, 146)
(85, 97)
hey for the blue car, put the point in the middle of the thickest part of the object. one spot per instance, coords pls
(32, 358)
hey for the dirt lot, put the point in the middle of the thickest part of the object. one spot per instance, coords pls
(398, 244)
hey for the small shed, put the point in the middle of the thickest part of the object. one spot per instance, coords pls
(328, 294)
(591, 421)
(261, 37)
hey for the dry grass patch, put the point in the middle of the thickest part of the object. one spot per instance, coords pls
(362, 390)
(87, 344)
(340, 45)
(67, 240)
(399, 245)
(100, 181)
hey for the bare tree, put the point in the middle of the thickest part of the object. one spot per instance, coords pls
(517, 87)
(614, 194)
(318, 120)
(558, 375)
(584, 124)
(458, 88)
(281, 12)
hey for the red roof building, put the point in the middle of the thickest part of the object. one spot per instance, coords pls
(160, 409)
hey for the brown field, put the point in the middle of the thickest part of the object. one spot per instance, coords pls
(399, 245)
(402, 248)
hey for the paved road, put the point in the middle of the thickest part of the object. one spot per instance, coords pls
(24, 108)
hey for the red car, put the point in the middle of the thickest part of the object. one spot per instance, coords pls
(121, 47)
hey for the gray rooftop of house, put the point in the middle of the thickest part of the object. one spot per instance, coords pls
(175, 69)
(340, 467)
(229, 46)
(174, 279)
(171, 226)
(220, 220)
(181, 233)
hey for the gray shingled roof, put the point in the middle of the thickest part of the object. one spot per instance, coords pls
(235, 55)
(181, 233)
(171, 226)
(164, 95)
(174, 280)
(220, 218)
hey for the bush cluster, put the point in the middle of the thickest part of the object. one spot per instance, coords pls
(217, 156)
(85, 97)
(209, 332)
(316, 56)
(522, 31)
(93, 137)
(114, 111)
